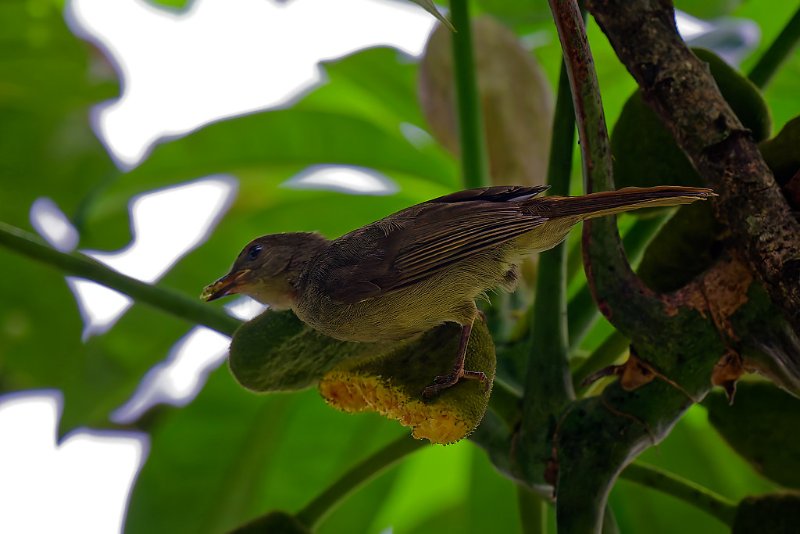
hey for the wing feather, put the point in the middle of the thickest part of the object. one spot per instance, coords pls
(414, 244)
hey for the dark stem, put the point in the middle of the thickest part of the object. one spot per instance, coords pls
(77, 264)
(604, 355)
(474, 166)
(532, 511)
(778, 51)
(316, 510)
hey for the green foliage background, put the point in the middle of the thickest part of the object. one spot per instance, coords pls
(231, 455)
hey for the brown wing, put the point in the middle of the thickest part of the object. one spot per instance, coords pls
(413, 244)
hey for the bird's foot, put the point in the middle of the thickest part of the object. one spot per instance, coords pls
(443, 382)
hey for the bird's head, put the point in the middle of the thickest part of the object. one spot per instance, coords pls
(268, 268)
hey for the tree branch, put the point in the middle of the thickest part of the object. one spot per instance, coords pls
(683, 93)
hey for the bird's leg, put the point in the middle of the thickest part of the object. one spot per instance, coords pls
(445, 381)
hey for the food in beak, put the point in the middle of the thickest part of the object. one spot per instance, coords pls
(224, 286)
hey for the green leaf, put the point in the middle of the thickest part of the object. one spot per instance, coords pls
(49, 80)
(776, 513)
(686, 245)
(708, 9)
(759, 427)
(357, 118)
(174, 4)
(781, 153)
(262, 446)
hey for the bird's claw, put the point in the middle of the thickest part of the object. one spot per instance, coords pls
(443, 382)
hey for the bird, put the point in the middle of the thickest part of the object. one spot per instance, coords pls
(424, 265)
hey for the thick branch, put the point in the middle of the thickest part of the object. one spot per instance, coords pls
(682, 91)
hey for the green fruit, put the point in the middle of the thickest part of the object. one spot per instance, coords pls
(391, 384)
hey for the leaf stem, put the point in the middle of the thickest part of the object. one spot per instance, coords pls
(532, 511)
(604, 355)
(316, 510)
(82, 266)
(778, 51)
(548, 365)
(548, 384)
(474, 166)
(680, 488)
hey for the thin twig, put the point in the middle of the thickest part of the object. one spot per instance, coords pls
(82, 266)
(778, 51)
(680, 488)
(316, 510)
(474, 165)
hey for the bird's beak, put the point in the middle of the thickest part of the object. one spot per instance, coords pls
(226, 285)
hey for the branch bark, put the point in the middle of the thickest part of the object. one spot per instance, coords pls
(683, 93)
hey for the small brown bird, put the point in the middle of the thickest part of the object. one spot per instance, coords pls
(422, 266)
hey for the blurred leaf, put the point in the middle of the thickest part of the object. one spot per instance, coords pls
(376, 84)
(781, 152)
(776, 513)
(42, 347)
(707, 9)
(645, 154)
(517, 101)
(360, 117)
(48, 81)
(694, 451)
(759, 427)
(231, 456)
(518, 12)
(179, 4)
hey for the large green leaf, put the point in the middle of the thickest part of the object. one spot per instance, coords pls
(760, 426)
(48, 81)
(693, 451)
(232, 455)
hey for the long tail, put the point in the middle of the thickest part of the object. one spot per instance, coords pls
(627, 199)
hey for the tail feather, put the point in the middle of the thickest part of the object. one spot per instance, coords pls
(627, 199)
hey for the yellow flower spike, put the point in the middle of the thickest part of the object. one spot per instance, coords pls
(392, 383)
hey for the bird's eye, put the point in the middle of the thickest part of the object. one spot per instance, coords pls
(253, 252)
